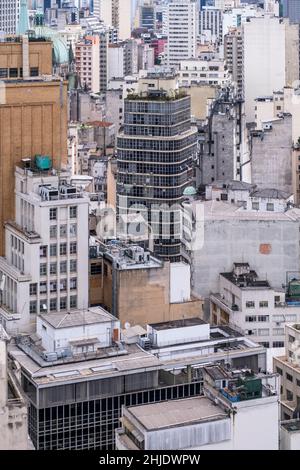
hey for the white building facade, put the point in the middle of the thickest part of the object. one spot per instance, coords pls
(181, 20)
(45, 268)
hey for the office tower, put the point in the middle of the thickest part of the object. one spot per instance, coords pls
(115, 13)
(233, 55)
(147, 15)
(9, 15)
(87, 62)
(181, 24)
(155, 158)
(46, 247)
(28, 126)
(211, 20)
(270, 58)
(291, 10)
(76, 390)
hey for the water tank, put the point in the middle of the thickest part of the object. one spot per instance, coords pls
(43, 162)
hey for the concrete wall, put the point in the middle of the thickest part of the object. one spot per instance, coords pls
(272, 156)
(230, 238)
(32, 121)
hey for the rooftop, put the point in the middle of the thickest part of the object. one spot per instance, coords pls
(168, 325)
(176, 413)
(246, 280)
(292, 425)
(270, 193)
(78, 318)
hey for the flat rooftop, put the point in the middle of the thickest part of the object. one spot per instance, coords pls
(176, 413)
(168, 325)
(292, 425)
(247, 280)
(78, 318)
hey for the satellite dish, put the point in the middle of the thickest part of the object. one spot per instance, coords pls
(127, 325)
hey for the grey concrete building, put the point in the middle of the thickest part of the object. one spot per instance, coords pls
(231, 234)
(220, 141)
(271, 154)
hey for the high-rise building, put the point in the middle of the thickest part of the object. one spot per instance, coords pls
(155, 150)
(181, 24)
(45, 268)
(233, 55)
(87, 60)
(270, 58)
(115, 13)
(33, 113)
(211, 19)
(9, 16)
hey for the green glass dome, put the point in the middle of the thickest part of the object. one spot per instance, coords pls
(60, 47)
(189, 191)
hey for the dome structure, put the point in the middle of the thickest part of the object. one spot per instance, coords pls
(189, 191)
(60, 47)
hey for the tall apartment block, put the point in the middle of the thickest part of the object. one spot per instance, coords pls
(115, 13)
(155, 152)
(45, 268)
(33, 113)
(9, 15)
(181, 24)
(87, 60)
(233, 54)
(291, 10)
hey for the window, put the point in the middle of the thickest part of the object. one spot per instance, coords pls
(278, 344)
(63, 303)
(105, 270)
(43, 251)
(53, 231)
(298, 382)
(289, 395)
(63, 249)
(73, 284)
(277, 299)
(73, 301)
(291, 339)
(33, 289)
(13, 73)
(270, 206)
(53, 269)
(251, 318)
(53, 286)
(33, 306)
(53, 305)
(43, 287)
(53, 250)
(3, 73)
(279, 371)
(278, 331)
(63, 285)
(73, 212)
(255, 206)
(73, 230)
(265, 344)
(73, 248)
(53, 213)
(73, 265)
(263, 318)
(34, 71)
(63, 267)
(250, 304)
(289, 377)
(43, 269)
(263, 304)
(43, 306)
(97, 269)
(63, 231)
